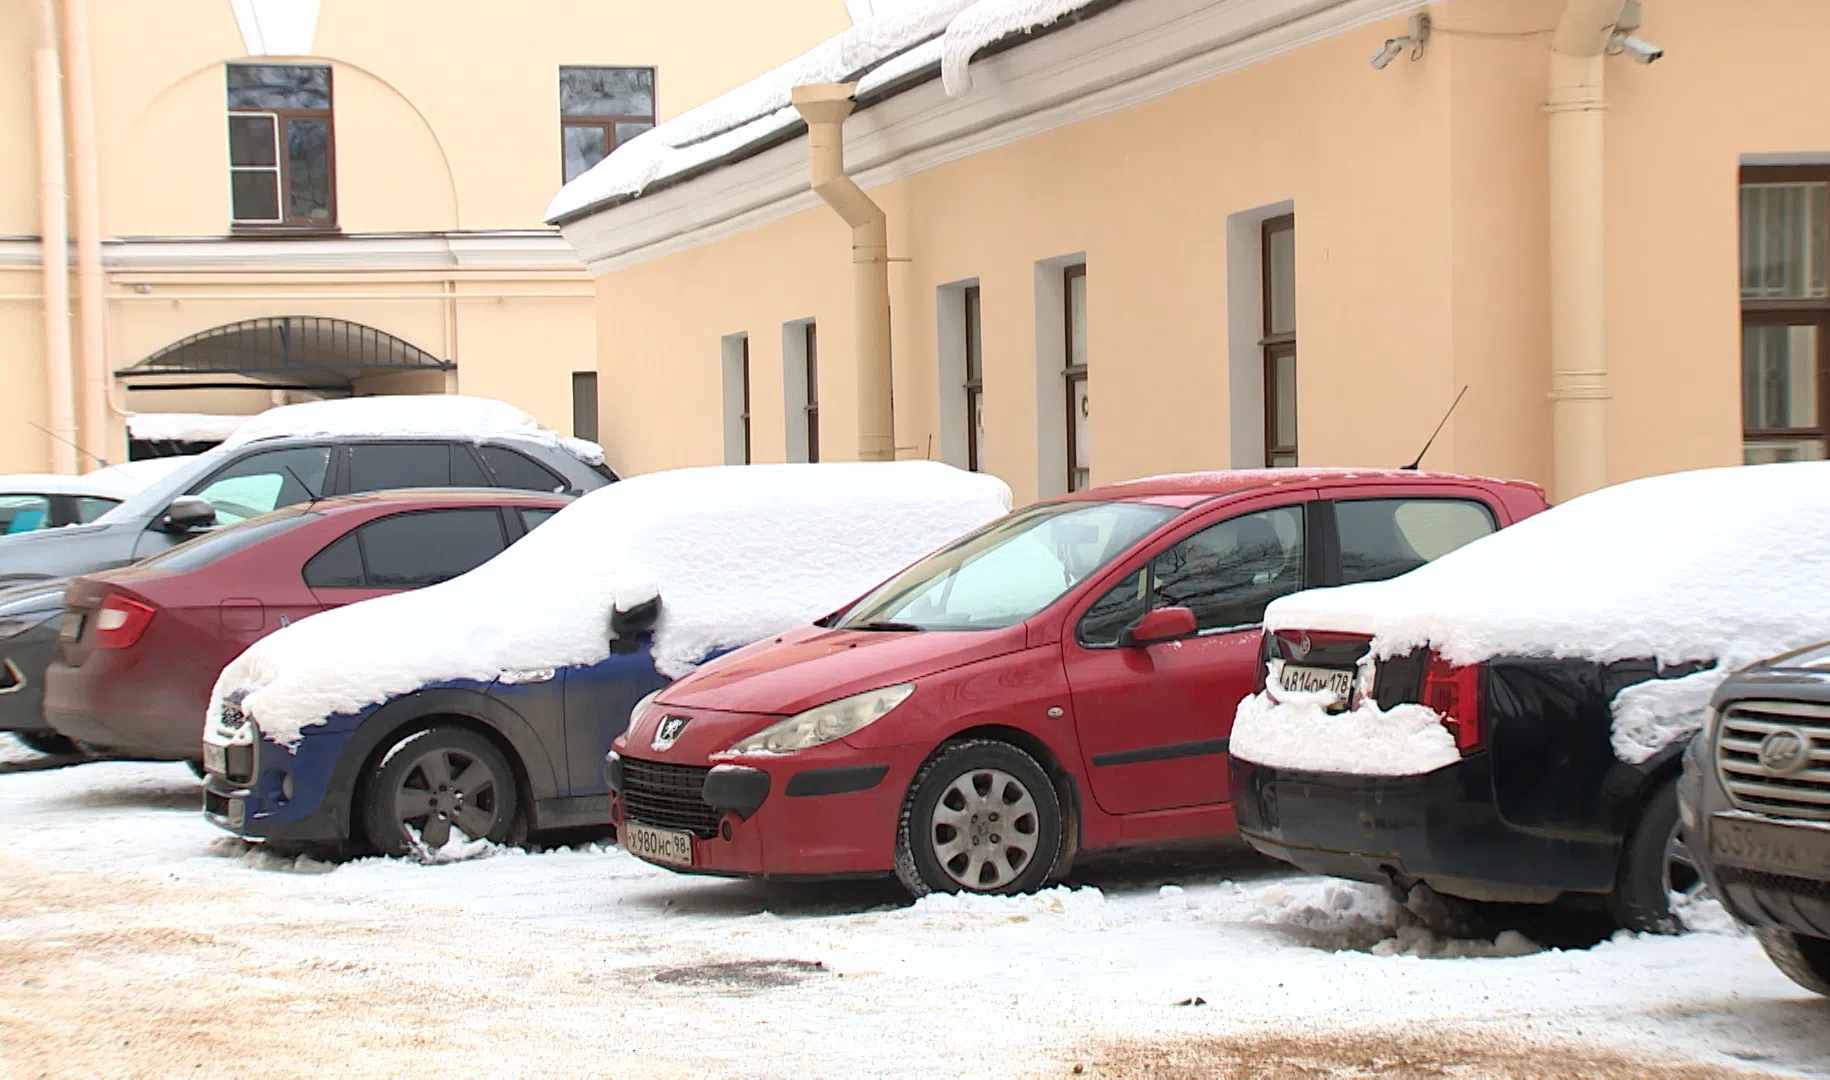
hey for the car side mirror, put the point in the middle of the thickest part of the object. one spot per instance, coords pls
(1162, 624)
(627, 628)
(186, 514)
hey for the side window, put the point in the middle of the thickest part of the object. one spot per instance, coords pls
(409, 550)
(380, 466)
(1382, 538)
(90, 507)
(516, 470)
(1123, 605)
(1228, 572)
(465, 472)
(266, 481)
(24, 513)
(534, 516)
(338, 566)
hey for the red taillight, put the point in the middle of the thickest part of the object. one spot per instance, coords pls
(1455, 693)
(120, 622)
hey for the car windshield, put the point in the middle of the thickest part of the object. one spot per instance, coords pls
(1009, 570)
(216, 543)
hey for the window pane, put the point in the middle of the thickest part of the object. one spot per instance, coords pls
(1280, 279)
(278, 86)
(1785, 230)
(606, 91)
(338, 566)
(1283, 370)
(1382, 538)
(515, 470)
(974, 365)
(90, 507)
(407, 551)
(465, 472)
(1077, 319)
(402, 465)
(266, 481)
(308, 169)
(1779, 377)
(975, 420)
(1082, 448)
(251, 141)
(24, 513)
(255, 195)
(1227, 573)
(1123, 605)
(625, 132)
(1773, 451)
(584, 147)
(813, 365)
(532, 519)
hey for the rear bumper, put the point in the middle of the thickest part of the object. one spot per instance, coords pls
(124, 709)
(22, 664)
(1440, 828)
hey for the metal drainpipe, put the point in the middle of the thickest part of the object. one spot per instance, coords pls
(54, 242)
(825, 106)
(85, 206)
(1578, 249)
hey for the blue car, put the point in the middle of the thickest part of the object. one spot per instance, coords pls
(483, 707)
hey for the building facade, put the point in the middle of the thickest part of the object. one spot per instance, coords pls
(1163, 235)
(267, 200)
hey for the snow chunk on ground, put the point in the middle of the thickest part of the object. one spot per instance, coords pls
(447, 415)
(1288, 730)
(183, 427)
(1719, 564)
(736, 553)
(1341, 915)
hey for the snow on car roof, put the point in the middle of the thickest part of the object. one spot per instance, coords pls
(183, 427)
(736, 553)
(107, 486)
(136, 475)
(448, 415)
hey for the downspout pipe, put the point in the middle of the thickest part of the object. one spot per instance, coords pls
(85, 206)
(54, 244)
(825, 106)
(1578, 249)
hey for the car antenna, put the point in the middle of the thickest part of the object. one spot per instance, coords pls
(99, 459)
(1412, 467)
(314, 495)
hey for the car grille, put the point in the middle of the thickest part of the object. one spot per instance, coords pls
(1802, 792)
(668, 796)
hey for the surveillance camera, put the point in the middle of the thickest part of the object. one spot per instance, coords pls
(1640, 52)
(1387, 53)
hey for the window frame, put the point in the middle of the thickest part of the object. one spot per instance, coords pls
(605, 122)
(1804, 311)
(810, 357)
(970, 312)
(748, 454)
(282, 119)
(1073, 376)
(1275, 345)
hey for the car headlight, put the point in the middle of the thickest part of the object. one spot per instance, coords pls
(635, 714)
(822, 724)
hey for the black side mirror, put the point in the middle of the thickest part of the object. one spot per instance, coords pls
(187, 513)
(627, 628)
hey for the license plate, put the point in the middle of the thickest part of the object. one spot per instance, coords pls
(664, 846)
(215, 759)
(1766, 845)
(72, 627)
(1315, 680)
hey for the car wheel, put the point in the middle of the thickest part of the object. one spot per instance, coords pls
(1805, 960)
(435, 781)
(195, 766)
(1655, 867)
(981, 816)
(49, 742)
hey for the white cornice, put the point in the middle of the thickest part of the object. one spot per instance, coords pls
(360, 252)
(1130, 54)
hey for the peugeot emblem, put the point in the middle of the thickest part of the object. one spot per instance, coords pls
(668, 731)
(1783, 752)
(1303, 645)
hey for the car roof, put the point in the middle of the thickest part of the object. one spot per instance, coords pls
(437, 496)
(1189, 489)
(59, 484)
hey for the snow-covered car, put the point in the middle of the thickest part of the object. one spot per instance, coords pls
(297, 453)
(1506, 724)
(1755, 805)
(485, 705)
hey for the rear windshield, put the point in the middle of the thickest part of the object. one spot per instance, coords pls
(213, 545)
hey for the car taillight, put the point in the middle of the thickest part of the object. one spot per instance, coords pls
(1455, 693)
(1264, 663)
(120, 622)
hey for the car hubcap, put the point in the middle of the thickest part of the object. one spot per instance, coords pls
(445, 788)
(984, 829)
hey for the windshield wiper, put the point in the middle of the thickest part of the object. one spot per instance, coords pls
(882, 624)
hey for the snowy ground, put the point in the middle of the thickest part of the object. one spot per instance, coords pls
(136, 940)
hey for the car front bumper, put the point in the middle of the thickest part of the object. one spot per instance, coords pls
(282, 796)
(1751, 883)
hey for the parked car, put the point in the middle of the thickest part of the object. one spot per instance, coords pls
(1755, 806)
(29, 619)
(484, 706)
(30, 502)
(1062, 680)
(342, 447)
(141, 647)
(1507, 724)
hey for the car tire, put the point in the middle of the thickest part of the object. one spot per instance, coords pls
(1805, 960)
(1654, 862)
(49, 743)
(980, 816)
(462, 778)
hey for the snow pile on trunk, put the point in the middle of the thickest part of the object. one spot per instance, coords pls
(183, 427)
(1289, 730)
(1726, 565)
(443, 415)
(736, 554)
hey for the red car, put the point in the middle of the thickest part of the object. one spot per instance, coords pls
(141, 647)
(1062, 680)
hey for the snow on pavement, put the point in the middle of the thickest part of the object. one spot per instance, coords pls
(138, 939)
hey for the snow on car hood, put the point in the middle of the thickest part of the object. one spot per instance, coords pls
(736, 554)
(448, 415)
(1730, 565)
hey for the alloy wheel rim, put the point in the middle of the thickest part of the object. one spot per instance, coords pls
(446, 788)
(985, 829)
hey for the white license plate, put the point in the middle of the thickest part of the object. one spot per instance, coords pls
(664, 846)
(1315, 680)
(215, 759)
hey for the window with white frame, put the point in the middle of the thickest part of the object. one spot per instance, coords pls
(1074, 371)
(1785, 313)
(281, 151)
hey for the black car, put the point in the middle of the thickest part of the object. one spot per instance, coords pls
(1755, 805)
(29, 618)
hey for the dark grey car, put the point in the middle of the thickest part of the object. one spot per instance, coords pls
(233, 483)
(29, 618)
